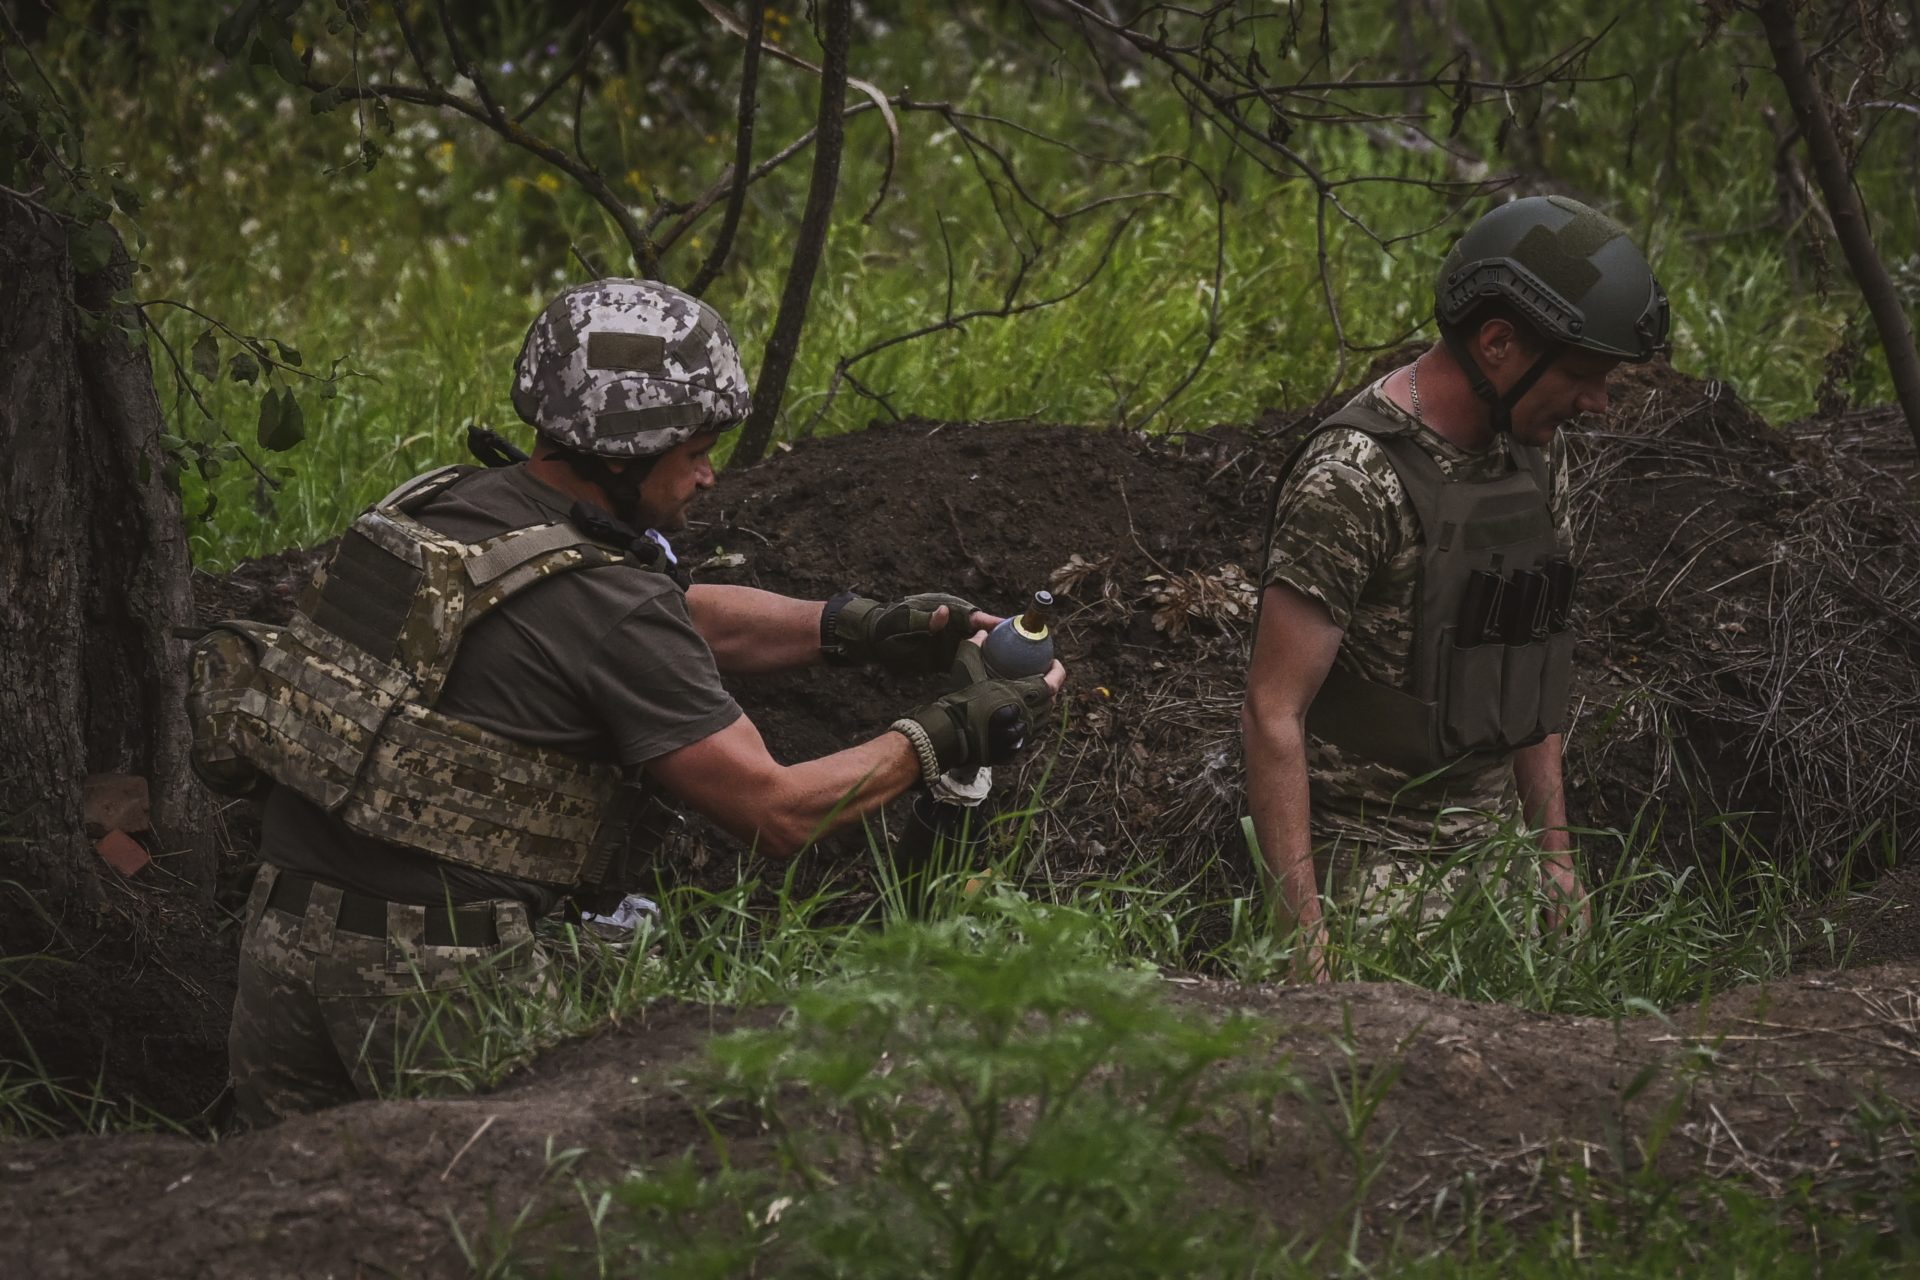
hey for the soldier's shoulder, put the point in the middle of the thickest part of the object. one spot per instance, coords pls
(1347, 457)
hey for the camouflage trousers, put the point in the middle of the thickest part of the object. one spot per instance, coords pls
(1377, 886)
(325, 1014)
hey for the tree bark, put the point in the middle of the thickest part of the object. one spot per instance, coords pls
(1850, 225)
(784, 344)
(94, 574)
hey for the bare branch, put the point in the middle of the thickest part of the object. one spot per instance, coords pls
(810, 243)
(589, 179)
(742, 153)
(731, 23)
(576, 67)
(950, 321)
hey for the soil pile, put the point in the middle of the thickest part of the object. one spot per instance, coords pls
(1781, 1087)
(1750, 600)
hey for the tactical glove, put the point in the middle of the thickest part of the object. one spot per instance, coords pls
(984, 722)
(897, 636)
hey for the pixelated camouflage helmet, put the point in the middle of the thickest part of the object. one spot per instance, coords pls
(628, 369)
(1572, 271)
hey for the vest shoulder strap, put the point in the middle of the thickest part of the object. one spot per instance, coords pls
(408, 495)
(1419, 475)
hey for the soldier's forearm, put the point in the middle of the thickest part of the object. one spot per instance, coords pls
(754, 632)
(1540, 779)
(1277, 801)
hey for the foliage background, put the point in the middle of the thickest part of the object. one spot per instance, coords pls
(422, 271)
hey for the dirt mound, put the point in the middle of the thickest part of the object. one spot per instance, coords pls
(1749, 596)
(1780, 1087)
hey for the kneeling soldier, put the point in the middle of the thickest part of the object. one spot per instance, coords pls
(458, 725)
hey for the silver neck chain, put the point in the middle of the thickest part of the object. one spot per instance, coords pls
(1413, 386)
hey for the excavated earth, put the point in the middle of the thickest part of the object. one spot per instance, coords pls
(1695, 518)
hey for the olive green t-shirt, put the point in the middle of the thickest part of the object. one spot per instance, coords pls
(1346, 535)
(601, 663)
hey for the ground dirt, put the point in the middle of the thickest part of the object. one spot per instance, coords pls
(1715, 548)
(1768, 1085)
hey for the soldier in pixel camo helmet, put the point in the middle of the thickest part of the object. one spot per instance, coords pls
(1568, 272)
(547, 667)
(628, 369)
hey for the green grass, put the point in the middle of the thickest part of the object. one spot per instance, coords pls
(424, 273)
(1660, 939)
(1001, 1088)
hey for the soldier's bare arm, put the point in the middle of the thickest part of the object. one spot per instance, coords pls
(1539, 777)
(779, 809)
(732, 778)
(1292, 654)
(754, 632)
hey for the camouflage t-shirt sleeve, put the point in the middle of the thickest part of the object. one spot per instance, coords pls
(1333, 526)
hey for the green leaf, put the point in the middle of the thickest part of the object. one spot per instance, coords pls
(126, 197)
(323, 101)
(288, 355)
(231, 35)
(282, 424)
(293, 420)
(206, 356)
(243, 367)
(91, 247)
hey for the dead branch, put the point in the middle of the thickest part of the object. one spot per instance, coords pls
(742, 154)
(1811, 107)
(1010, 305)
(810, 243)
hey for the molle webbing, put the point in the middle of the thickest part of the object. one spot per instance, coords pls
(340, 703)
(1457, 703)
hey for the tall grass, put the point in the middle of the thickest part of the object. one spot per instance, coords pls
(424, 272)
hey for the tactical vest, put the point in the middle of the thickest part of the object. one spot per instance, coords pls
(1494, 693)
(339, 703)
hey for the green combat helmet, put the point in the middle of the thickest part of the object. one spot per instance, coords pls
(1570, 271)
(628, 369)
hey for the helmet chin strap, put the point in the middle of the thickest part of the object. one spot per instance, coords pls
(622, 486)
(1499, 407)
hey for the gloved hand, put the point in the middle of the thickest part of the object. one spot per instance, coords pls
(898, 636)
(984, 721)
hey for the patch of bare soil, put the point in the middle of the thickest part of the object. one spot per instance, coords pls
(1769, 1086)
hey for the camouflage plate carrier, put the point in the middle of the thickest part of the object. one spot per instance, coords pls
(1460, 701)
(339, 703)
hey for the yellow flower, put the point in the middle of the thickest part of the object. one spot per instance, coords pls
(547, 182)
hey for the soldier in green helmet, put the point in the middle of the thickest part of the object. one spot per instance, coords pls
(1409, 680)
(455, 731)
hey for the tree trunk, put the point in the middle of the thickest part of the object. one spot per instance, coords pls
(1850, 225)
(777, 363)
(94, 574)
